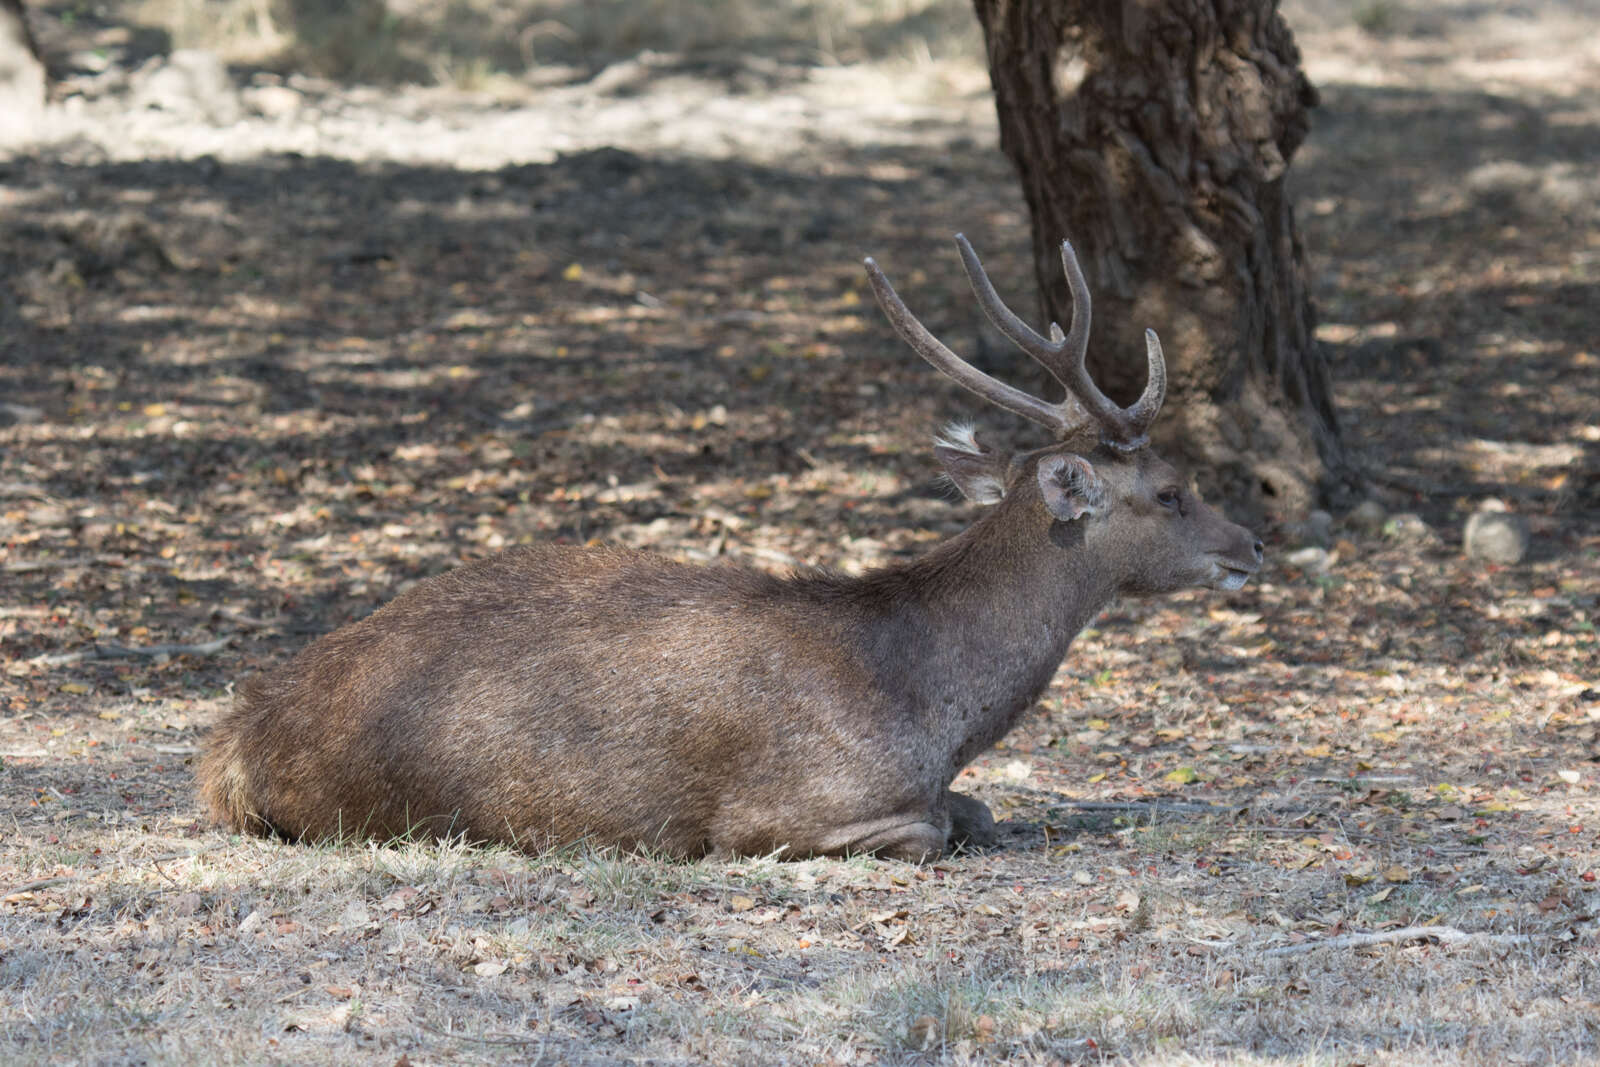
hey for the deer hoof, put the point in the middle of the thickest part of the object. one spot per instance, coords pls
(971, 824)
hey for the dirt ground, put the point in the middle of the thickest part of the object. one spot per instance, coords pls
(273, 347)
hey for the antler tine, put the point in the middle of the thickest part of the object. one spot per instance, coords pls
(1019, 333)
(1053, 355)
(1077, 342)
(1112, 419)
(1122, 428)
(947, 362)
(1148, 406)
(1062, 353)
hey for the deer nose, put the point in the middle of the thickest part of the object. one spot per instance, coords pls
(1258, 548)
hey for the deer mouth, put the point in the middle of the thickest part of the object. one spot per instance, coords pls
(1229, 578)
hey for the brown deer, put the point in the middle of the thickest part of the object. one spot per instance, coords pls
(557, 694)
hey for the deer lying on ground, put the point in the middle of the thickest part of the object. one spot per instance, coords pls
(554, 694)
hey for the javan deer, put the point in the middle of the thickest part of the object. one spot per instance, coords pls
(554, 694)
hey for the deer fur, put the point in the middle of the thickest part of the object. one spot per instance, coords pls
(556, 694)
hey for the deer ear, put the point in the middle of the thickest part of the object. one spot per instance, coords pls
(980, 476)
(1070, 487)
(979, 473)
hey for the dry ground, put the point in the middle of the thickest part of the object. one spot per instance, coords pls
(245, 397)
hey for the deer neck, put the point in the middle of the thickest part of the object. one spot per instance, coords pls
(974, 631)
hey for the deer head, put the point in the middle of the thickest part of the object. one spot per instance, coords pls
(1100, 485)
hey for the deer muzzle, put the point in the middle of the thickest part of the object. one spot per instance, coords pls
(1234, 566)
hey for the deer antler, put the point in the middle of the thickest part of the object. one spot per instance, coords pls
(1062, 355)
(1061, 418)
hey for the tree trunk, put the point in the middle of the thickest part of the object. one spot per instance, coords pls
(1155, 135)
(21, 77)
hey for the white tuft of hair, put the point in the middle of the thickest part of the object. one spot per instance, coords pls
(975, 482)
(961, 436)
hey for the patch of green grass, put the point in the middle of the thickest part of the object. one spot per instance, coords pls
(1167, 834)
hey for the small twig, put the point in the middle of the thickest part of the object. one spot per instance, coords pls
(1146, 805)
(1208, 943)
(239, 617)
(43, 883)
(156, 863)
(25, 566)
(1363, 779)
(1398, 479)
(482, 1040)
(205, 648)
(1446, 935)
(46, 883)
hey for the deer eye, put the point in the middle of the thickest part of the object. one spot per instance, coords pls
(1169, 498)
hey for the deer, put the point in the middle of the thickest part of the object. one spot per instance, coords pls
(554, 695)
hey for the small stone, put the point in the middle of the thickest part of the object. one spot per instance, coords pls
(1495, 536)
(1315, 529)
(1319, 527)
(273, 101)
(1016, 771)
(1408, 528)
(1167, 657)
(1368, 517)
(1313, 558)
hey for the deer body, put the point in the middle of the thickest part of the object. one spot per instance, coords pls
(553, 694)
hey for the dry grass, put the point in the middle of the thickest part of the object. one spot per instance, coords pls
(189, 948)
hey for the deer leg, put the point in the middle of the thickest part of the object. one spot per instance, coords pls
(913, 837)
(971, 823)
(915, 842)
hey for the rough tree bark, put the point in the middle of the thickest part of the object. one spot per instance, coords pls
(1155, 135)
